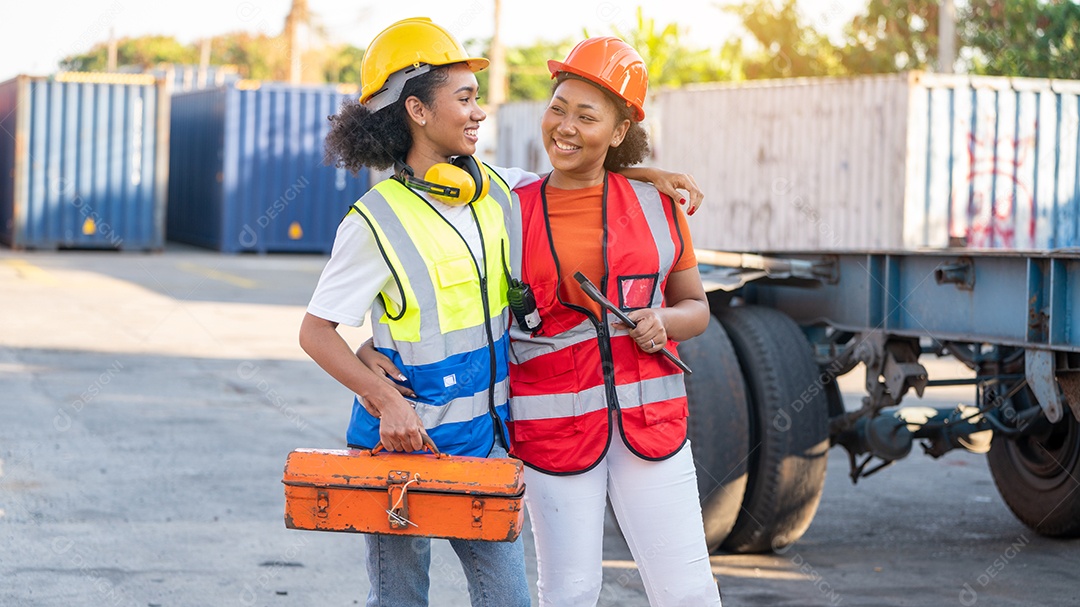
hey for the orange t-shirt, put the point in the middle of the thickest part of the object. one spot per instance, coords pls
(577, 229)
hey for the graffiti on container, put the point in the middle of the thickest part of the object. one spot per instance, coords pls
(995, 191)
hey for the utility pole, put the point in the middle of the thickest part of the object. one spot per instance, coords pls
(299, 17)
(496, 93)
(497, 81)
(946, 36)
(111, 60)
(204, 62)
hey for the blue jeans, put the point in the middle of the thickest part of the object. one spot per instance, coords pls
(398, 569)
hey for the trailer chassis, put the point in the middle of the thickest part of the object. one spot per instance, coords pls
(1011, 317)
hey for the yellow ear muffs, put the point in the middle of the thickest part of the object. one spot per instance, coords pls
(461, 181)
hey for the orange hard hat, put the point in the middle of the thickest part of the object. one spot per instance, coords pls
(612, 64)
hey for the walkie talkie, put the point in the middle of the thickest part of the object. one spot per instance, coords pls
(523, 305)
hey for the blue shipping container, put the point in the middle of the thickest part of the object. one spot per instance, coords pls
(83, 161)
(248, 171)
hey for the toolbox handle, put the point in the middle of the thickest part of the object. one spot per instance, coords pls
(430, 444)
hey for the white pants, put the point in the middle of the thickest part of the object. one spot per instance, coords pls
(656, 505)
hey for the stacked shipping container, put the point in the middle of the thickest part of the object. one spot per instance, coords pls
(83, 161)
(247, 160)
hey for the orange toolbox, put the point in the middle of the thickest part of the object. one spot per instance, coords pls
(428, 495)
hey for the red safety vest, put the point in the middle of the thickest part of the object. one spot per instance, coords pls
(568, 378)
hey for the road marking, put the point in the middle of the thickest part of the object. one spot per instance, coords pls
(28, 271)
(232, 279)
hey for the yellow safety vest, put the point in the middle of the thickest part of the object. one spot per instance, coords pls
(449, 335)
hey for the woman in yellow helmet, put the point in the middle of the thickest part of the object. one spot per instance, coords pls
(422, 250)
(427, 251)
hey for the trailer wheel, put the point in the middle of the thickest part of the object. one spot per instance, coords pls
(789, 429)
(1037, 476)
(719, 428)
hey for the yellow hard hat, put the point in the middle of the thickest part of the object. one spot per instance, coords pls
(410, 43)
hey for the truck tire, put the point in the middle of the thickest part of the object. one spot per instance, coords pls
(789, 438)
(1037, 476)
(719, 428)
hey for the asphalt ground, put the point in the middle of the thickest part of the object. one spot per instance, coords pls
(147, 403)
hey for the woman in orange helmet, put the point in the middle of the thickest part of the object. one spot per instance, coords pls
(595, 412)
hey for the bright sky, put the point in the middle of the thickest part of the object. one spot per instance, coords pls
(35, 35)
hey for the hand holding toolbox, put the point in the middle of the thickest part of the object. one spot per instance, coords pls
(427, 495)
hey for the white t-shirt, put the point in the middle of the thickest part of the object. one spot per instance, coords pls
(357, 273)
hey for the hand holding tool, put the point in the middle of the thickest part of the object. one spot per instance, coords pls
(595, 295)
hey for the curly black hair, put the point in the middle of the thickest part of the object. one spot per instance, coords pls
(635, 145)
(359, 138)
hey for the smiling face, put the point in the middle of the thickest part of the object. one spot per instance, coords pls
(448, 125)
(579, 126)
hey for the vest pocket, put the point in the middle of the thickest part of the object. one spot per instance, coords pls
(455, 271)
(550, 371)
(663, 397)
(636, 291)
(458, 285)
(665, 411)
(546, 429)
(545, 292)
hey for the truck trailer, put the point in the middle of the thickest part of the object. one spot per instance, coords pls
(864, 223)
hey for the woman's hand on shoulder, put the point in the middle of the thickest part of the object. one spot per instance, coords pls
(673, 183)
(681, 187)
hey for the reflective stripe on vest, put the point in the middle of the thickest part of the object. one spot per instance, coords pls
(439, 337)
(461, 409)
(653, 209)
(561, 379)
(528, 348)
(594, 399)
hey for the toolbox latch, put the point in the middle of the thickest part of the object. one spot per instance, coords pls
(477, 513)
(322, 503)
(397, 488)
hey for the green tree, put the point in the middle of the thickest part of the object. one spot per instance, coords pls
(257, 56)
(144, 51)
(788, 46)
(1034, 38)
(892, 36)
(527, 70)
(670, 62)
(343, 64)
(529, 79)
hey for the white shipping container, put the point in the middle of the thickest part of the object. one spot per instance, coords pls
(889, 162)
(902, 161)
(518, 143)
